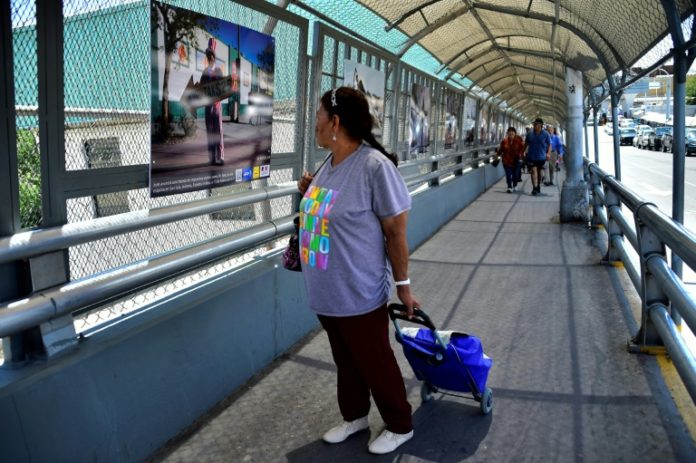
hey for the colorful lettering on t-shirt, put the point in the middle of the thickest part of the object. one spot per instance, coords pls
(315, 241)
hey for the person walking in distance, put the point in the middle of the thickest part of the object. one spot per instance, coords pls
(556, 148)
(538, 151)
(353, 218)
(561, 149)
(511, 151)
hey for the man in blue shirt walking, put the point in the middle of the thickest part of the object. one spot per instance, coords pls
(538, 151)
(556, 152)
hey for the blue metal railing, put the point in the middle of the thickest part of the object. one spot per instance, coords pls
(662, 292)
(42, 306)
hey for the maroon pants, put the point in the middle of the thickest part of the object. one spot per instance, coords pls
(366, 364)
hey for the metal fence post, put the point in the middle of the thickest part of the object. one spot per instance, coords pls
(594, 131)
(683, 59)
(615, 128)
(650, 246)
(41, 271)
(13, 275)
(477, 133)
(597, 205)
(460, 133)
(611, 200)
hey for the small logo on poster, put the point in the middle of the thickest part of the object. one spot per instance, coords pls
(238, 175)
(246, 174)
(265, 170)
(257, 172)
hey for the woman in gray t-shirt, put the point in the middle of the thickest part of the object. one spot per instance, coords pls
(353, 218)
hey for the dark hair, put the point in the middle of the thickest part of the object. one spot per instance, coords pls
(512, 128)
(351, 106)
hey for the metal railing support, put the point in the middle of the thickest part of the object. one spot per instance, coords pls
(47, 270)
(650, 246)
(597, 200)
(615, 129)
(612, 200)
(53, 303)
(678, 350)
(681, 299)
(682, 62)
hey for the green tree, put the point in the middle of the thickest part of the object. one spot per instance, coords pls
(691, 89)
(266, 58)
(176, 25)
(29, 171)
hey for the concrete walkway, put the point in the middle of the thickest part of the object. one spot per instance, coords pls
(554, 321)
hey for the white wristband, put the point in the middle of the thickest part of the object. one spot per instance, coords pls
(405, 282)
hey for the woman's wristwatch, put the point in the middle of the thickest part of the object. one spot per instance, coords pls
(405, 282)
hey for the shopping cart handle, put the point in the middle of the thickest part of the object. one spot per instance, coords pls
(398, 311)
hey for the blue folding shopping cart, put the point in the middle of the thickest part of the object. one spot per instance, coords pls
(444, 360)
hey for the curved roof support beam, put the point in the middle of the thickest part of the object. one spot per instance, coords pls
(519, 81)
(534, 69)
(555, 117)
(468, 60)
(408, 14)
(538, 105)
(484, 82)
(463, 52)
(517, 65)
(518, 51)
(530, 109)
(505, 91)
(522, 104)
(542, 17)
(484, 27)
(431, 28)
(504, 94)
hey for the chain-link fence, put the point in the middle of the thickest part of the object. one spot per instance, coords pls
(107, 96)
(107, 126)
(25, 65)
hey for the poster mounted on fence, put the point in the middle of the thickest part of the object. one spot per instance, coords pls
(211, 103)
(419, 127)
(371, 83)
(469, 123)
(483, 124)
(451, 106)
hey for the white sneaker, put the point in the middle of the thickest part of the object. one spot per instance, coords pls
(514, 189)
(344, 430)
(388, 442)
(509, 190)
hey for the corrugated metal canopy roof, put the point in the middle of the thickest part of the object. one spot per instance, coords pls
(517, 50)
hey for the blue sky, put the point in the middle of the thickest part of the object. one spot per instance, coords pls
(253, 42)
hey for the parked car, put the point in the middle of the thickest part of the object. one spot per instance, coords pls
(627, 124)
(260, 109)
(689, 141)
(639, 128)
(626, 136)
(644, 137)
(655, 140)
(609, 129)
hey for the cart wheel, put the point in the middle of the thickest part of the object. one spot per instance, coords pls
(487, 401)
(426, 392)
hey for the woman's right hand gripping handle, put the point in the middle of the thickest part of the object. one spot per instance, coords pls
(304, 182)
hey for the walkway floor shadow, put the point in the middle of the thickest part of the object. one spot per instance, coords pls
(555, 323)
